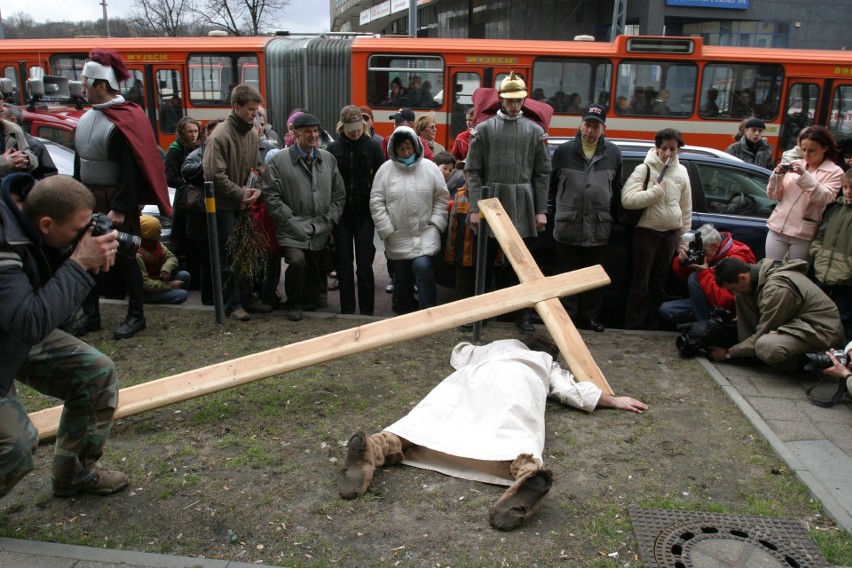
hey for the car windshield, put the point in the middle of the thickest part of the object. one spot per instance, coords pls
(735, 191)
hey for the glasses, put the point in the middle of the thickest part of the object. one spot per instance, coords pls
(433, 126)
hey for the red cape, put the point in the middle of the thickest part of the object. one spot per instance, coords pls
(128, 117)
(486, 103)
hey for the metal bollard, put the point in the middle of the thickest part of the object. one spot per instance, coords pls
(213, 242)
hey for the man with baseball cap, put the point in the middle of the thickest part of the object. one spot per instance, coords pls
(508, 153)
(405, 117)
(304, 194)
(118, 159)
(752, 147)
(587, 173)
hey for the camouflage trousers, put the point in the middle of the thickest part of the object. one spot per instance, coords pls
(84, 378)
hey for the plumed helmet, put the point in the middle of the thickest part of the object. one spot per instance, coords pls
(107, 65)
(513, 87)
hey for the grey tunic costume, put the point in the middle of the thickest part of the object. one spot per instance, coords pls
(509, 154)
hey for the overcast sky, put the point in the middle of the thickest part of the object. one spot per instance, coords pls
(299, 16)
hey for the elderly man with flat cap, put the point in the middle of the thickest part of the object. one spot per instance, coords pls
(586, 174)
(753, 147)
(118, 159)
(304, 194)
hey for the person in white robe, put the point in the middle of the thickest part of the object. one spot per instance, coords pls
(484, 422)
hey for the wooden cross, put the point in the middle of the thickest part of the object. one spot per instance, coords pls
(535, 290)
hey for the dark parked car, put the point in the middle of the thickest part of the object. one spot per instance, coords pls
(726, 192)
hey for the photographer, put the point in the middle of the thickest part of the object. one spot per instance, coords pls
(839, 370)
(42, 288)
(781, 314)
(700, 278)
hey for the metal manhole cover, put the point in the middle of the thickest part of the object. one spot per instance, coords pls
(684, 539)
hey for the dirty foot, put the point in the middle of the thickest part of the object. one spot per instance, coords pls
(518, 502)
(358, 471)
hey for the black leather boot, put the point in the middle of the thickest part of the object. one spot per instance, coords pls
(91, 318)
(133, 323)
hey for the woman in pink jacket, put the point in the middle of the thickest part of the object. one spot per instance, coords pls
(804, 189)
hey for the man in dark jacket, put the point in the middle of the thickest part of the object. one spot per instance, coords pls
(358, 159)
(40, 291)
(586, 173)
(752, 147)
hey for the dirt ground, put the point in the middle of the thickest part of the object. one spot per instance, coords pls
(249, 474)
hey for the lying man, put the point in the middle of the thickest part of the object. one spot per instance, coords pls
(496, 397)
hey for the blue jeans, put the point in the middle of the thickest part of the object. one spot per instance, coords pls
(694, 308)
(173, 296)
(409, 272)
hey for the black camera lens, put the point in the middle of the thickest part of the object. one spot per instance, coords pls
(128, 244)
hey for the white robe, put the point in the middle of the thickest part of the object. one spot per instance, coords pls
(490, 410)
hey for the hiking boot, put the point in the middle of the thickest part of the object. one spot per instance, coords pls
(84, 324)
(97, 480)
(132, 325)
(240, 315)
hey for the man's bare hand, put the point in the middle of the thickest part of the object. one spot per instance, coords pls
(96, 254)
(718, 354)
(252, 195)
(622, 403)
(540, 221)
(837, 370)
(117, 217)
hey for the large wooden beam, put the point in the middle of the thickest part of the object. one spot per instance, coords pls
(199, 382)
(552, 312)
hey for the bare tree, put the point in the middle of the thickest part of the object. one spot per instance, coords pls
(241, 17)
(164, 17)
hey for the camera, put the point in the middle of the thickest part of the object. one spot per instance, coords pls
(720, 330)
(101, 225)
(823, 361)
(786, 167)
(695, 252)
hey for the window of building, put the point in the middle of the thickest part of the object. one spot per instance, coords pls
(569, 86)
(212, 77)
(657, 88)
(741, 91)
(397, 81)
(744, 33)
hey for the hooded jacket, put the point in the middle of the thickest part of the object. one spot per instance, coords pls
(305, 201)
(36, 298)
(785, 300)
(409, 203)
(583, 190)
(665, 209)
(832, 247)
(802, 199)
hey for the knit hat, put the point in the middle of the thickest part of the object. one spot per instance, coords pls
(755, 123)
(150, 228)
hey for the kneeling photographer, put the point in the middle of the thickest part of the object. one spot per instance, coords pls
(695, 266)
(47, 260)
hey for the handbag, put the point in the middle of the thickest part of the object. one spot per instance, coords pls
(629, 217)
(190, 198)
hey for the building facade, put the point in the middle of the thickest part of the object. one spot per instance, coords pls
(821, 24)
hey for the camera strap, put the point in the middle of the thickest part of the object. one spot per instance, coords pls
(833, 401)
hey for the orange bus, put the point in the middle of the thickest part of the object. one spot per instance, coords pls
(647, 82)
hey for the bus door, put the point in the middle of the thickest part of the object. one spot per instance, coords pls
(827, 102)
(157, 88)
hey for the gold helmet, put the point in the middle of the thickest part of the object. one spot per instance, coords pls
(513, 87)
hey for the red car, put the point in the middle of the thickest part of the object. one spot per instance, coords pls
(54, 125)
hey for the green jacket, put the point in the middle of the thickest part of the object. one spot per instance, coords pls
(832, 247)
(784, 300)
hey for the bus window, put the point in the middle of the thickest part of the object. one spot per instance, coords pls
(840, 121)
(212, 77)
(169, 97)
(133, 89)
(402, 81)
(741, 91)
(659, 88)
(464, 84)
(570, 86)
(10, 72)
(801, 107)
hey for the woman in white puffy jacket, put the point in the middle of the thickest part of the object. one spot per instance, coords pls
(408, 203)
(667, 215)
